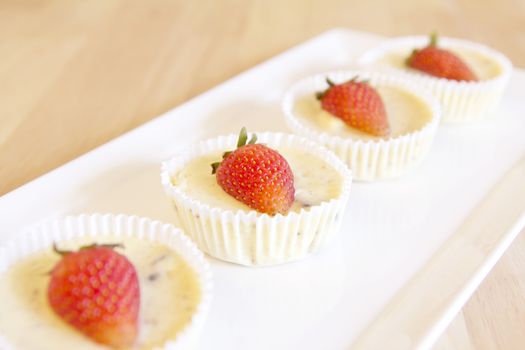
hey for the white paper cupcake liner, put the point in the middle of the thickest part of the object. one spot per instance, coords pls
(461, 101)
(248, 237)
(107, 225)
(375, 159)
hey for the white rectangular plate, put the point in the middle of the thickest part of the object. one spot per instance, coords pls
(409, 253)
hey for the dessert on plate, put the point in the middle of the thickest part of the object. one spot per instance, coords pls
(380, 125)
(258, 200)
(102, 282)
(468, 78)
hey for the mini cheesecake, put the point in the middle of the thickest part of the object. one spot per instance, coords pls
(461, 101)
(171, 289)
(229, 230)
(413, 117)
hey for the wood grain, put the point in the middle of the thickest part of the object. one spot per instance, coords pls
(75, 74)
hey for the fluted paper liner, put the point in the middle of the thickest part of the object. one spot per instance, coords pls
(372, 159)
(107, 225)
(461, 101)
(248, 237)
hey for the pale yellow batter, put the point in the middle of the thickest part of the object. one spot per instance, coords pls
(169, 289)
(315, 181)
(405, 113)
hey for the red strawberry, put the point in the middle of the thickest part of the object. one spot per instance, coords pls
(256, 175)
(440, 63)
(96, 290)
(358, 104)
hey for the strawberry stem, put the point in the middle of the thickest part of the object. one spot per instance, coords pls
(253, 139)
(408, 60)
(60, 252)
(433, 39)
(243, 137)
(214, 167)
(108, 245)
(241, 141)
(319, 95)
(91, 246)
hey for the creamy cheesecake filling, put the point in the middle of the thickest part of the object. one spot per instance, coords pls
(315, 181)
(169, 289)
(482, 65)
(405, 112)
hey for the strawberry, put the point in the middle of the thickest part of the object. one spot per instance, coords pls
(357, 104)
(96, 290)
(440, 63)
(256, 175)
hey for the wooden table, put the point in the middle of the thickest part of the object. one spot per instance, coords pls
(75, 74)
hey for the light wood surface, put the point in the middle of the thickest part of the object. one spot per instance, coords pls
(75, 74)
